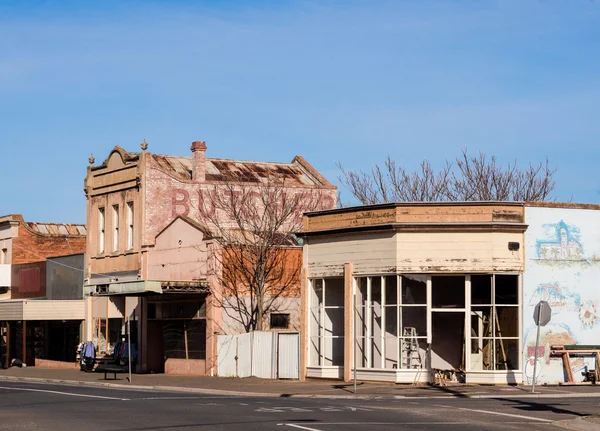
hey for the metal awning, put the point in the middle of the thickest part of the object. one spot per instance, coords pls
(124, 288)
(42, 309)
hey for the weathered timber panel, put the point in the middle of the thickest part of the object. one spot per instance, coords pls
(350, 219)
(457, 252)
(459, 214)
(370, 253)
(418, 214)
(54, 310)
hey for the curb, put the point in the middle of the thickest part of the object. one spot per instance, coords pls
(580, 424)
(283, 395)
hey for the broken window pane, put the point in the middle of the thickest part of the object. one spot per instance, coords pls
(317, 292)
(414, 289)
(507, 289)
(481, 354)
(507, 354)
(391, 352)
(334, 321)
(315, 351)
(448, 291)
(334, 292)
(481, 289)
(391, 289)
(508, 321)
(413, 353)
(376, 290)
(334, 351)
(391, 313)
(414, 317)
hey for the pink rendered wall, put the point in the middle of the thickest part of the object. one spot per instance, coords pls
(167, 197)
(179, 253)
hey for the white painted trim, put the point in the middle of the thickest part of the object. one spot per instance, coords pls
(501, 377)
(325, 372)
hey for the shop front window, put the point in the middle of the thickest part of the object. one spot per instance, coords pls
(326, 322)
(494, 322)
(391, 321)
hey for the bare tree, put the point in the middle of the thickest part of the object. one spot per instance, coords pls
(259, 258)
(470, 178)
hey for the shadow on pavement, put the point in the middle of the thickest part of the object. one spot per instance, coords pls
(532, 406)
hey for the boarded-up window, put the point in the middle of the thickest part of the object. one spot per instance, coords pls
(29, 280)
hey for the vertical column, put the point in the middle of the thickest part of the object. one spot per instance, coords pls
(369, 329)
(7, 344)
(348, 322)
(467, 344)
(304, 317)
(429, 326)
(24, 335)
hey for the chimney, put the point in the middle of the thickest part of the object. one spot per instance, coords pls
(198, 161)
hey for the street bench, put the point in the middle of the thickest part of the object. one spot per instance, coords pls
(110, 370)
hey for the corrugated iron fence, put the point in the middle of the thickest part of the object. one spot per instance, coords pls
(268, 355)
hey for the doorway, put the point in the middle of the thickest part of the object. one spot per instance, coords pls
(448, 322)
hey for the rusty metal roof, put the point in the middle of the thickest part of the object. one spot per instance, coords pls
(57, 229)
(236, 170)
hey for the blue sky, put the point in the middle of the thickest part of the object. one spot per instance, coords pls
(351, 81)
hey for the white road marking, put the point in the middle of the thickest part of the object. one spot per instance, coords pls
(170, 398)
(504, 414)
(300, 427)
(65, 393)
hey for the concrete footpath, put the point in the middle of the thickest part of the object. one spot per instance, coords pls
(316, 388)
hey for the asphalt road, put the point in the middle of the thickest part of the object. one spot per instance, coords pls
(25, 406)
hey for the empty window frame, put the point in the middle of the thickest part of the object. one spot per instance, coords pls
(326, 322)
(279, 320)
(129, 225)
(115, 227)
(101, 229)
(495, 322)
(391, 321)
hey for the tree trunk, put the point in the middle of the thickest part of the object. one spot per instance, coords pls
(259, 313)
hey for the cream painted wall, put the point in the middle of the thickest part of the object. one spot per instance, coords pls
(423, 252)
(416, 252)
(370, 253)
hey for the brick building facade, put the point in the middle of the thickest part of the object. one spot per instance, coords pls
(152, 243)
(40, 261)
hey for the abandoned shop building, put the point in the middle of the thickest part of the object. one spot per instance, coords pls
(153, 258)
(408, 289)
(42, 311)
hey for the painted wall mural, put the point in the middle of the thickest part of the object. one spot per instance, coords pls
(562, 249)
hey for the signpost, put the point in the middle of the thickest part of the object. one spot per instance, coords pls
(541, 316)
(355, 340)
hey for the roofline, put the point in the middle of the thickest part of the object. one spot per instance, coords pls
(312, 171)
(422, 227)
(20, 220)
(563, 205)
(412, 204)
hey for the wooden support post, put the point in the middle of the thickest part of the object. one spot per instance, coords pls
(24, 336)
(7, 344)
(185, 336)
(568, 369)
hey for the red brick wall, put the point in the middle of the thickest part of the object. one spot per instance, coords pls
(31, 247)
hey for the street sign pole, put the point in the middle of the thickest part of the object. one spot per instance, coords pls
(537, 343)
(541, 316)
(129, 347)
(355, 339)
